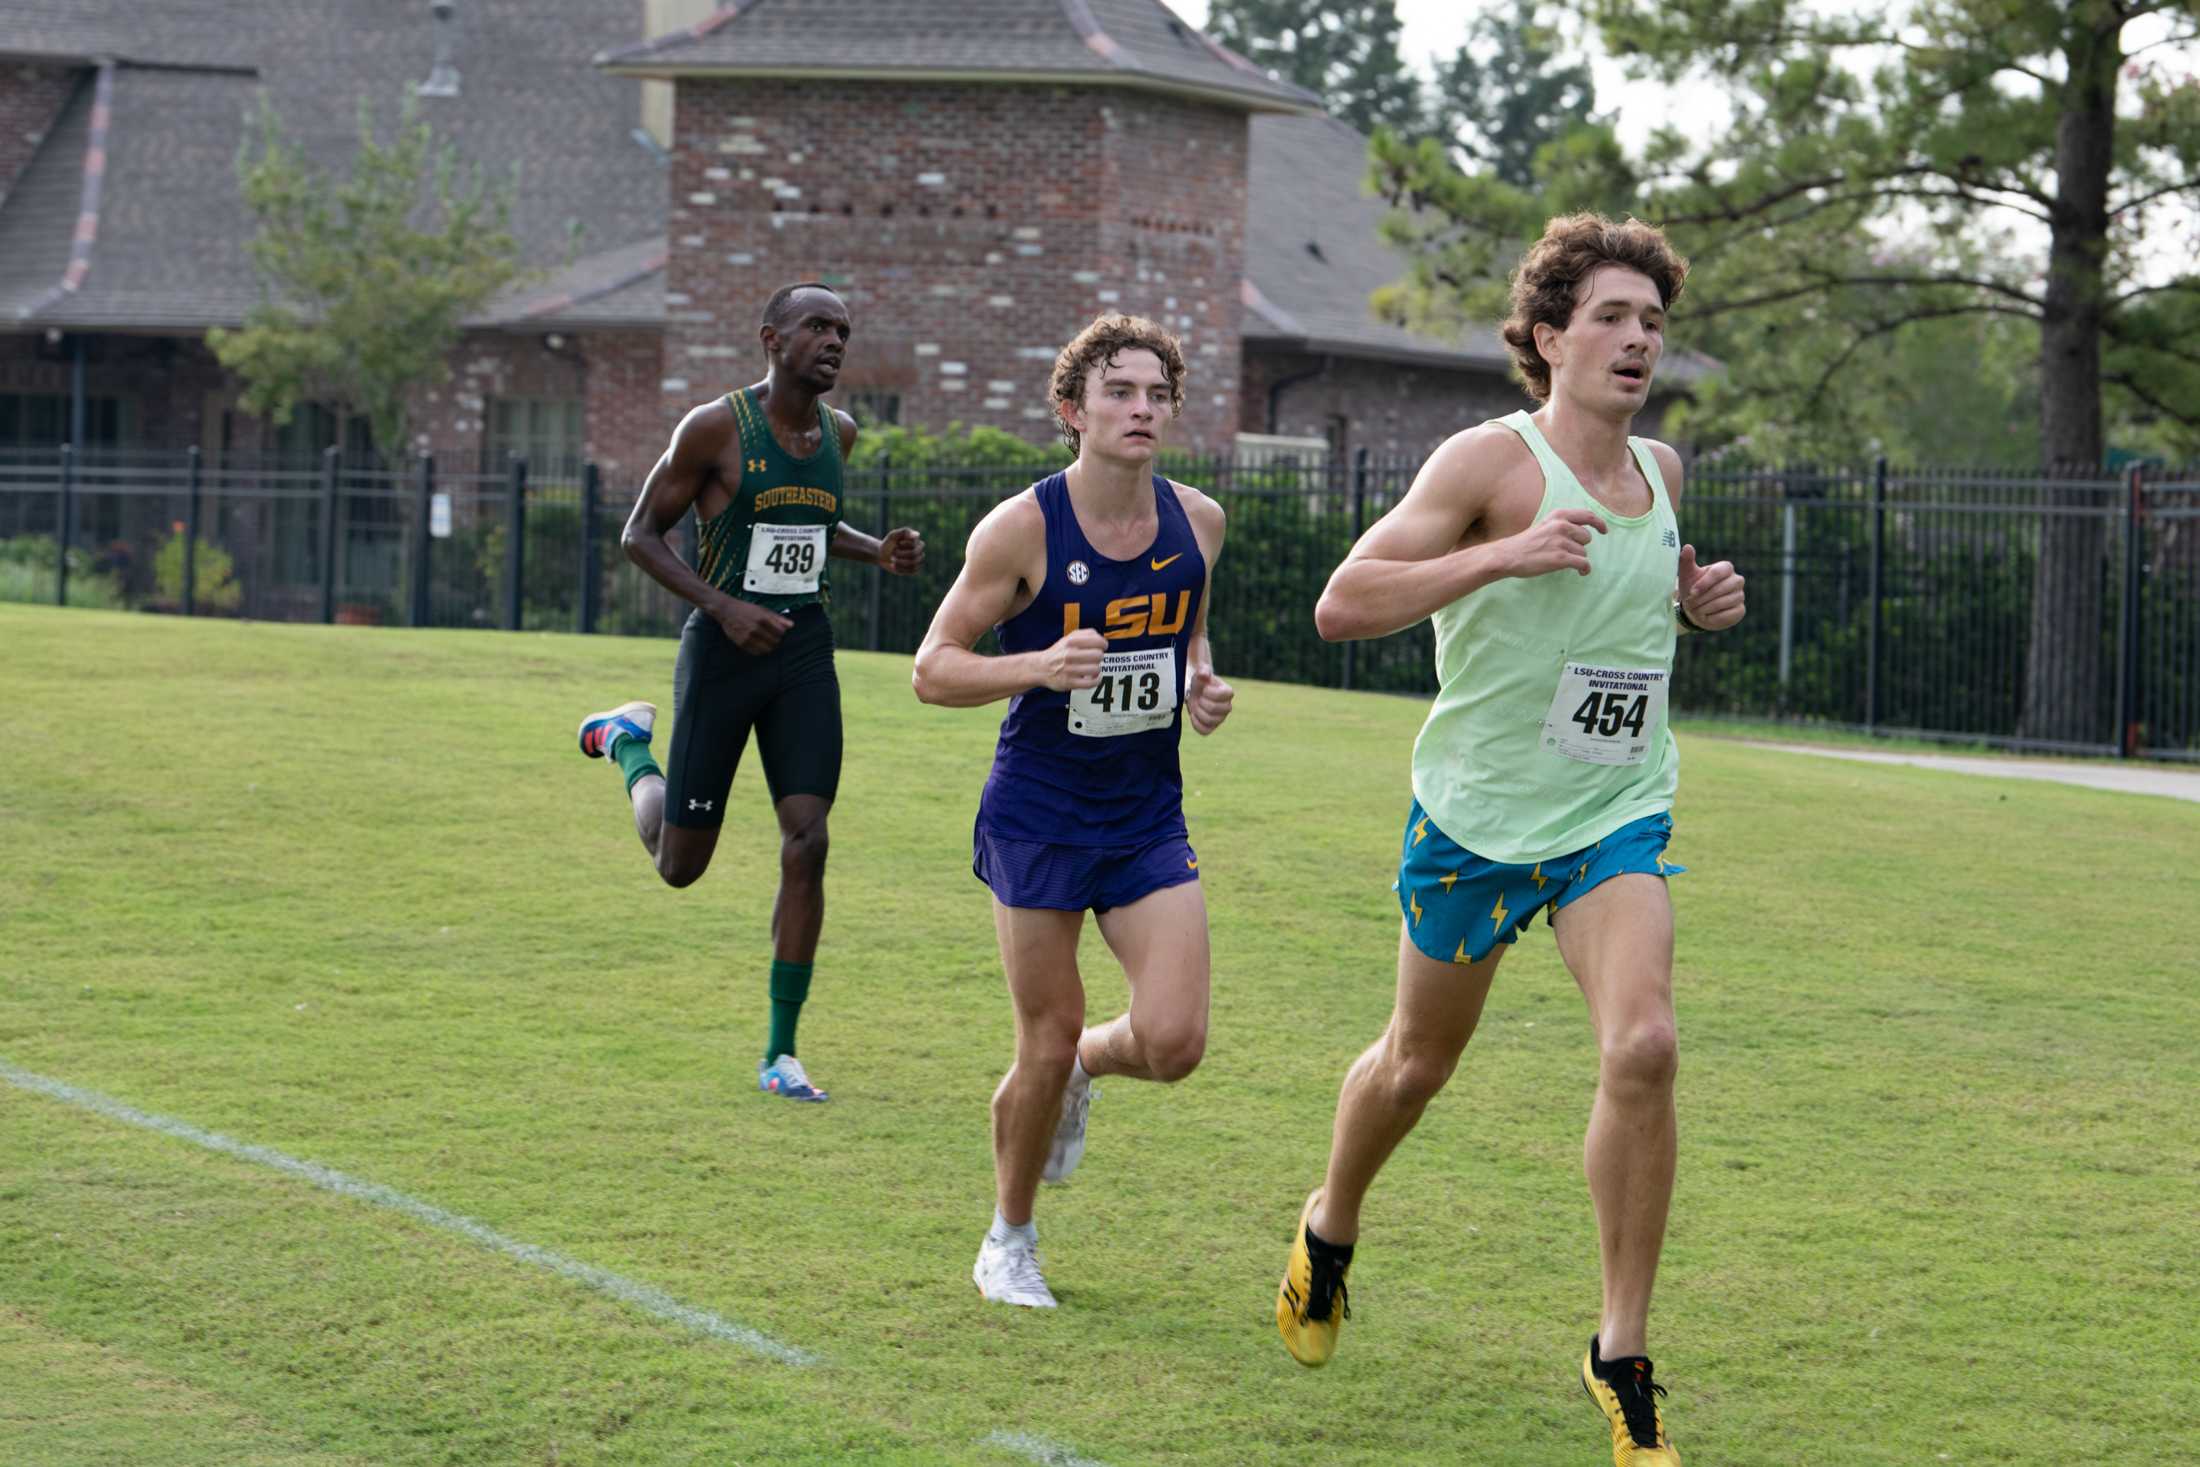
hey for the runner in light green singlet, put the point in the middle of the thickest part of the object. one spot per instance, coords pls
(1483, 766)
(1545, 548)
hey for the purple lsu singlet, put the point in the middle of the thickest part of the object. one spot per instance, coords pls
(1098, 767)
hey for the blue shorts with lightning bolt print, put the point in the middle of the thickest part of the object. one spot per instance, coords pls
(1459, 907)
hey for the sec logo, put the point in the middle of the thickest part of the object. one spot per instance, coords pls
(1079, 573)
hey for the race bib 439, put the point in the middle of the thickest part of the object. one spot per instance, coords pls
(784, 560)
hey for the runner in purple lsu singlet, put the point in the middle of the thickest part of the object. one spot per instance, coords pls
(1085, 804)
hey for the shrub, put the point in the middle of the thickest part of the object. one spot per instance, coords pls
(214, 584)
(27, 574)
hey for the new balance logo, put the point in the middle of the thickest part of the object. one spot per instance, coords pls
(699, 804)
(1672, 540)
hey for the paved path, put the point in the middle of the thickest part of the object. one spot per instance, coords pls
(2135, 778)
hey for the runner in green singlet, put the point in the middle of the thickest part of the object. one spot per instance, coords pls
(761, 468)
(1545, 549)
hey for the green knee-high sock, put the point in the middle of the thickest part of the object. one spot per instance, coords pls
(632, 756)
(790, 987)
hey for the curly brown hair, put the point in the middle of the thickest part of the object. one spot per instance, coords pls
(1098, 345)
(1551, 275)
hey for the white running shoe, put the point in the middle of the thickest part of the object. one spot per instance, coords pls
(1008, 1273)
(1068, 1146)
(629, 720)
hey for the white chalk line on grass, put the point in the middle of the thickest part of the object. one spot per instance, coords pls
(1038, 1449)
(644, 1297)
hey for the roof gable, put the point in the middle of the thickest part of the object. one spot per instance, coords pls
(1137, 43)
(171, 248)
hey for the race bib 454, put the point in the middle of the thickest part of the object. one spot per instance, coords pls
(1605, 715)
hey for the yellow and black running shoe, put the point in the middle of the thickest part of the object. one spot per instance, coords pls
(1310, 1304)
(1627, 1396)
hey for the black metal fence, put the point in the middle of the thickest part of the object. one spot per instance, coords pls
(1891, 601)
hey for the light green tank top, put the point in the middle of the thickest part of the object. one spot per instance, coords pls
(1549, 729)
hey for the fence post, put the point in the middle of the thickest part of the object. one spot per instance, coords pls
(423, 546)
(192, 457)
(1359, 518)
(331, 466)
(1787, 586)
(2127, 676)
(885, 523)
(66, 512)
(591, 571)
(515, 545)
(1878, 570)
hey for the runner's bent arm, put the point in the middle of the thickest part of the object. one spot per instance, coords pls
(1207, 698)
(1707, 598)
(1004, 552)
(900, 553)
(1412, 561)
(670, 492)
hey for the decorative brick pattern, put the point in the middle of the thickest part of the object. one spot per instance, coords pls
(972, 229)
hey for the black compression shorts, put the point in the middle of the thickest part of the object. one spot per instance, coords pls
(790, 696)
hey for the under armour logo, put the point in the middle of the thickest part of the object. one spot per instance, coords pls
(756, 466)
(699, 804)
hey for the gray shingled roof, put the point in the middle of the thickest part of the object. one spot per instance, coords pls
(617, 287)
(1314, 253)
(168, 32)
(171, 244)
(1138, 43)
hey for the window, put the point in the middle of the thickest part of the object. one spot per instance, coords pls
(547, 432)
(39, 422)
(872, 409)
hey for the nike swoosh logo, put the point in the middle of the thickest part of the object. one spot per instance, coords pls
(1164, 564)
(1191, 863)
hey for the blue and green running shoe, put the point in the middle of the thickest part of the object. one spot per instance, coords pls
(786, 1078)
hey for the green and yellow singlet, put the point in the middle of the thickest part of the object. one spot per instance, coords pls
(769, 544)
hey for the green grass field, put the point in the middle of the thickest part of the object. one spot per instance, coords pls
(351, 895)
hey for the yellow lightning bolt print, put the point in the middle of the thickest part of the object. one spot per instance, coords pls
(1461, 955)
(1540, 878)
(1446, 881)
(1420, 831)
(1497, 914)
(1413, 905)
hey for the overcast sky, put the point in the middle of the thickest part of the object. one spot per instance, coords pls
(1433, 29)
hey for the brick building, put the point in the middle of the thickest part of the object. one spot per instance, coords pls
(978, 177)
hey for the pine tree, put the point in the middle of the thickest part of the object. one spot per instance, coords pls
(1506, 92)
(1347, 54)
